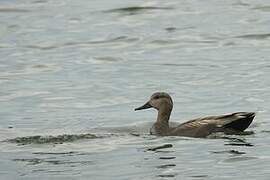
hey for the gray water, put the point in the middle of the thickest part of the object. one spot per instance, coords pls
(72, 72)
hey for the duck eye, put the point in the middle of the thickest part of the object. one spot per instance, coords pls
(156, 97)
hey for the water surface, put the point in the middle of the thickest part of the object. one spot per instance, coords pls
(72, 72)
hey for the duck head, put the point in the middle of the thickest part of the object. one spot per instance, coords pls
(158, 100)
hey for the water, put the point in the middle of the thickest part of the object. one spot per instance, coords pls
(72, 72)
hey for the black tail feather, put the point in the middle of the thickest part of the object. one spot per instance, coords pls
(243, 121)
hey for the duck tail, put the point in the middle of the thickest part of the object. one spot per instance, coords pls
(241, 121)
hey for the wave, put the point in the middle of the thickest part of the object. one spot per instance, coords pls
(59, 139)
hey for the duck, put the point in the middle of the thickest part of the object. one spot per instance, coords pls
(233, 123)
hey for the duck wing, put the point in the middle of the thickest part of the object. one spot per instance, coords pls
(238, 121)
(203, 127)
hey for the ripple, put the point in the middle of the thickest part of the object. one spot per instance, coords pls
(157, 43)
(167, 175)
(30, 70)
(164, 166)
(193, 65)
(239, 3)
(199, 176)
(236, 142)
(35, 161)
(51, 139)
(40, 1)
(133, 10)
(55, 153)
(262, 8)
(119, 39)
(266, 131)
(160, 147)
(170, 29)
(22, 93)
(107, 59)
(237, 159)
(164, 41)
(106, 41)
(13, 10)
(254, 36)
(167, 157)
(229, 152)
(42, 47)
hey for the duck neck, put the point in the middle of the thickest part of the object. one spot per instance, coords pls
(164, 115)
(162, 123)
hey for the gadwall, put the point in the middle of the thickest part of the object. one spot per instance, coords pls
(234, 123)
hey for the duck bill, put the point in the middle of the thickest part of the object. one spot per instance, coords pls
(145, 106)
